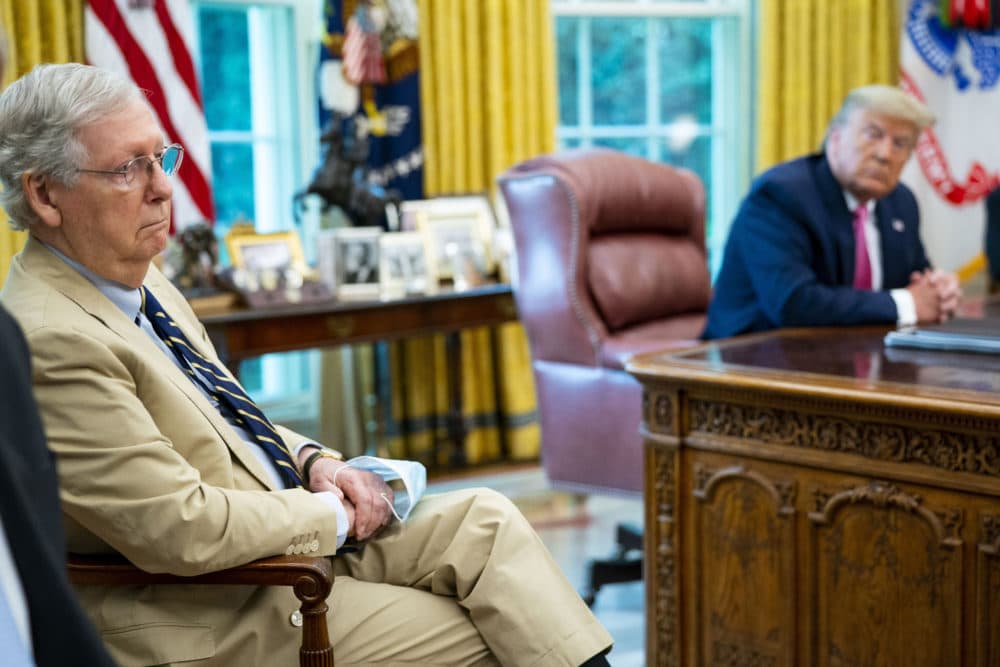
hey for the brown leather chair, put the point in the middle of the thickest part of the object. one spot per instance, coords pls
(611, 262)
(311, 579)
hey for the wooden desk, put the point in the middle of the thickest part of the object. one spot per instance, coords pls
(240, 334)
(815, 499)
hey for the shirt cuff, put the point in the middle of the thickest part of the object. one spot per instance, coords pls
(333, 501)
(906, 309)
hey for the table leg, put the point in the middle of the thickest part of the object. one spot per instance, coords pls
(456, 419)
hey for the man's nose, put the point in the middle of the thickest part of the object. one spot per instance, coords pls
(884, 148)
(161, 186)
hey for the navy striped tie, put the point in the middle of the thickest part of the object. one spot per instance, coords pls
(233, 402)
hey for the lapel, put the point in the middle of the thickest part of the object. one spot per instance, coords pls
(889, 239)
(40, 262)
(840, 222)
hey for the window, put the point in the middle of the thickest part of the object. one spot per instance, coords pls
(254, 60)
(663, 79)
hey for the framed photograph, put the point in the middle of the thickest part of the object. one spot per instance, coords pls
(458, 231)
(356, 262)
(260, 252)
(403, 263)
(476, 208)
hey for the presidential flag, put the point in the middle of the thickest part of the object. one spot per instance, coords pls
(150, 41)
(369, 76)
(955, 71)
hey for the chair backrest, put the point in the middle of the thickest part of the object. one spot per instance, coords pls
(611, 262)
(606, 242)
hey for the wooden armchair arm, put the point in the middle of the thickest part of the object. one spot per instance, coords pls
(311, 579)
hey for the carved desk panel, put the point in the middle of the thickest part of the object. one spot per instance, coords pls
(815, 499)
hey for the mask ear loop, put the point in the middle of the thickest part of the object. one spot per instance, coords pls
(391, 508)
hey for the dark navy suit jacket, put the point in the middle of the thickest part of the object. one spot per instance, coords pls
(32, 518)
(789, 258)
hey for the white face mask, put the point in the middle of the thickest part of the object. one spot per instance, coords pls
(411, 474)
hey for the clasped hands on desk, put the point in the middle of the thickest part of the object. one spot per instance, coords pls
(813, 498)
(241, 333)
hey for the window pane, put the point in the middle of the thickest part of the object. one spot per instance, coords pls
(619, 70)
(630, 145)
(225, 70)
(696, 156)
(232, 174)
(685, 54)
(567, 30)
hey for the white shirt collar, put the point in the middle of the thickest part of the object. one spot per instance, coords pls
(852, 203)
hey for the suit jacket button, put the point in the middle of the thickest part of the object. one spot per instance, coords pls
(296, 618)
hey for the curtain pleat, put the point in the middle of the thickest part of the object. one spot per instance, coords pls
(811, 53)
(488, 100)
(39, 31)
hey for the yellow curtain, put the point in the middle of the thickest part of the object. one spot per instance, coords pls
(488, 100)
(40, 31)
(812, 52)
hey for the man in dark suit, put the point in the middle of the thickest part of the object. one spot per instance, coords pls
(37, 604)
(833, 238)
(60, 634)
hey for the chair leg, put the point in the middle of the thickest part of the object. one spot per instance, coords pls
(316, 650)
(623, 566)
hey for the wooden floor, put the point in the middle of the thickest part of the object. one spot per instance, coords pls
(575, 529)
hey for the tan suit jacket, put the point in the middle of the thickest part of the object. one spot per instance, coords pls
(150, 469)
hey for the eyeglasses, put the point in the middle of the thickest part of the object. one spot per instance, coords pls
(169, 159)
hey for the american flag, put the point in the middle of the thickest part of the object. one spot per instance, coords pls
(362, 51)
(150, 41)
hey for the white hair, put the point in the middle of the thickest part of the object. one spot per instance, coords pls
(40, 116)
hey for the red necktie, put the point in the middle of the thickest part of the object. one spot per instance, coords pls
(862, 263)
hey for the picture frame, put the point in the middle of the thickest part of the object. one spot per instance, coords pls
(261, 252)
(457, 230)
(403, 263)
(356, 262)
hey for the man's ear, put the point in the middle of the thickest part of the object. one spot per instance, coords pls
(38, 189)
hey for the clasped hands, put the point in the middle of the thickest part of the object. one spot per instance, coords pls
(366, 497)
(935, 294)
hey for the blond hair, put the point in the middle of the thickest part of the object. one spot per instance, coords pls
(885, 100)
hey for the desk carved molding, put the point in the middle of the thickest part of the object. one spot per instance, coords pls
(952, 442)
(949, 450)
(664, 599)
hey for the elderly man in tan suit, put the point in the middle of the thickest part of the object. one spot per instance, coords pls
(157, 464)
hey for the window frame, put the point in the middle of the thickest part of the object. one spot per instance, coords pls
(299, 41)
(732, 139)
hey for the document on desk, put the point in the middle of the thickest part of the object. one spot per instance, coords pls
(957, 335)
